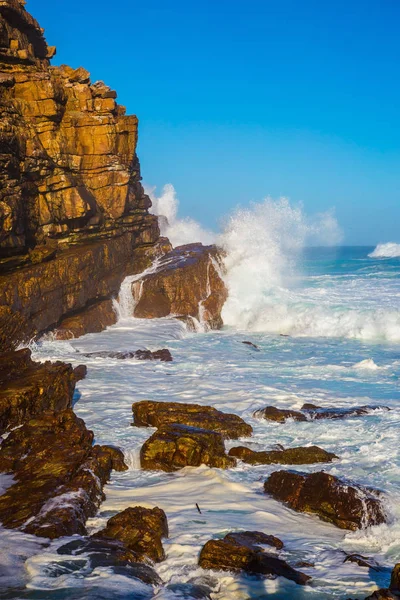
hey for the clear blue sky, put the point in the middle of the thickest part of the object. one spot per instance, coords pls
(238, 99)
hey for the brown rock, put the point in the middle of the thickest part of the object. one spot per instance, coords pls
(73, 211)
(253, 538)
(362, 561)
(344, 505)
(163, 355)
(235, 553)
(317, 412)
(149, 413)
(290, 456)
(59, 475)
(173, 447)
(140, 530)
(28, 388)
(280, 415)
(186, 283)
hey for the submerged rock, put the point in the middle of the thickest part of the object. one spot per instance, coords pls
(140, 530)
(290, 456)
(311, 412)
(240, 552)
(59, 475)
(393, 591)
(163, 355)
(271, 413)
(186, 283)
(149, 413)
(333, 500)
(113, 554)
(362, 561)
(29, 388)
(173, 447)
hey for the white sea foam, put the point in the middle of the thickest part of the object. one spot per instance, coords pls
(389, 250)
(368, 364)
(179, 230)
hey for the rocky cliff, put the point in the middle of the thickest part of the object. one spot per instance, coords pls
(74, 218)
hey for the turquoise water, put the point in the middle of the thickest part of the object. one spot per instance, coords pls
(329, 335)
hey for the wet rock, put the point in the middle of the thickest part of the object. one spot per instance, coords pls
(317, 412)
(163, 355)
(93, 319)
(149, 413)
(173, 447)
(333, 500)
(311, 412)
(362, 561)
(234, 553)
(190, 591)
(186, 283)
(251, 344)
(59, 475)
(28, 388)
(111, 554)
(271, 413)
(140, 530)
(290, 456)
(253, 538)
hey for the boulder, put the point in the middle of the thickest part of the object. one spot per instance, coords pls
(149, 413)
(173, 447)
(290, 456)
(186, 283)
(271, 413)
(241, 552)
(29, 388)
(163, 355)
(362, 561)
(140, 530)
(58, 475)
(317, 412)
(311, 412)
(346, 506)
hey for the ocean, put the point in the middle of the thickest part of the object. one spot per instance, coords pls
(326, 322)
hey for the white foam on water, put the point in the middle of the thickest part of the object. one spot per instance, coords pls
(388, 250)
(368, 364)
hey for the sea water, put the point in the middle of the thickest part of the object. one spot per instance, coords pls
(331, 338)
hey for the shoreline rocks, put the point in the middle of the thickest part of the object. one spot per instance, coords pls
(185, 283)
(149, 413)
(335, 501)
(290, 456)
(163, 355)
(58, 475)
(311, 412)
(173, 447)
(240, 552)
(140, 530)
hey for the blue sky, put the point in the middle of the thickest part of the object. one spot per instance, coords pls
(240, 99)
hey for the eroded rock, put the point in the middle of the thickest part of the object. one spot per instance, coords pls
(290, 456)
(140, 530)
(186, 283)
(173, 447)
(240, 552)
(333, 500)
(59, 475)
(311, 412)
(149, 413)
(28, 388)
(163, 355)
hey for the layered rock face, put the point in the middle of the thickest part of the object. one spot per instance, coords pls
(74, 218)
(186, 283)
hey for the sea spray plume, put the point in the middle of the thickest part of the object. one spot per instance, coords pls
(389, 250)
(262, 244)
(179, 230)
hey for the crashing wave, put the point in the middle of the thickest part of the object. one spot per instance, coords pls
(389, 250)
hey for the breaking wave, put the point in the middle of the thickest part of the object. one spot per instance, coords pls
(389, 250)
(180, 231)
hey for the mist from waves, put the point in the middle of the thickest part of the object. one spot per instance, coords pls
(268, 289)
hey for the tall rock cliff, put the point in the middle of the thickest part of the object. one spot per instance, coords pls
(74, 218)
